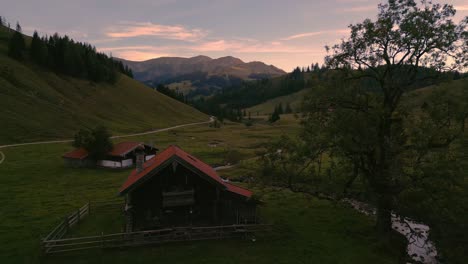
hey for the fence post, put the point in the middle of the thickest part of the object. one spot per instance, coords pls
(66, 225)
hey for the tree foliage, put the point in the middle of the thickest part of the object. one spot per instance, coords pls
(17, 46)
(275, 116)
(287, 162)
(65, 56)
(247, 94)
(179, 96)
(96, 141)
(369, 127)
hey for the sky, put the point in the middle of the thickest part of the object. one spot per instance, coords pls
(282, 33)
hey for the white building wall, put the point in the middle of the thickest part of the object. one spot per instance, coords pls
(127, 163)
(148, 157)
(110, 164)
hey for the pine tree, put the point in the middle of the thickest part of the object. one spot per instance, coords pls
(38, 51)
(280, 109)
(17, 46)
(316, 67)
(274, 116)
(288, 109)
(18, 28)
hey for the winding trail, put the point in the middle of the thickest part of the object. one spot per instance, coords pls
(2, 156)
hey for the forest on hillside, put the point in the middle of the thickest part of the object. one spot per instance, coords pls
(230, 102)
(63, 55)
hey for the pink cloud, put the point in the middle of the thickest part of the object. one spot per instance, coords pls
(317, 33)
(136, 29)
(304, 35)
(218, 45)
(138, 53)
(135, 55)
(461, 8)
(235, 46)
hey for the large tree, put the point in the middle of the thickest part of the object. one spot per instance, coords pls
(96, 141)
(369, 126)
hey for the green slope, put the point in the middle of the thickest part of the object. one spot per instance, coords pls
(295, 101)
(457, 89)
(37, 104)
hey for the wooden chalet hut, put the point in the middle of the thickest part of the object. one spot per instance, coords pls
(176, 189)
(122, 155)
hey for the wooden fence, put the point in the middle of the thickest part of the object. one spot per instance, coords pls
(55, 242)
(61, 229)
(133, 239)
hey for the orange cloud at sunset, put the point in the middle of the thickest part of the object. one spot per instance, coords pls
(136, 29)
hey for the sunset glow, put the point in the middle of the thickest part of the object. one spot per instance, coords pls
(285, 34)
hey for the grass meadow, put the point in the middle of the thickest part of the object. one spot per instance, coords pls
(38, 190)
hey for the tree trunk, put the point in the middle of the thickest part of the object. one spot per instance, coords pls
(384, 217)
(382, 182)
(351, 179)
(319, 161)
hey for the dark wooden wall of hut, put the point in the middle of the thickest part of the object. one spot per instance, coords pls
(147, 199)
(211, 205)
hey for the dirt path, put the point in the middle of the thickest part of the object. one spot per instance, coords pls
(224, 167)
(120, 136)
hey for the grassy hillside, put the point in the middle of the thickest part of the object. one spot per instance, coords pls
(38, 104)
(294, 100)
(457, 89)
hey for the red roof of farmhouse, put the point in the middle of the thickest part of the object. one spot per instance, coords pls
(174, 151)
(79, 153)
(119, 150)
(122, 148)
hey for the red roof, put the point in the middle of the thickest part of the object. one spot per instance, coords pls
(119, 150)
(122, 148)
(79, 153)
(239, 190)
(173, 151)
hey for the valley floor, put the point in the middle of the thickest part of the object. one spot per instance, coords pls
(38, 190)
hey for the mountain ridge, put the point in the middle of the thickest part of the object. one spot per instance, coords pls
(174, 66)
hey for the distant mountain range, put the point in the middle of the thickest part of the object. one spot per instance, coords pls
(200, 75)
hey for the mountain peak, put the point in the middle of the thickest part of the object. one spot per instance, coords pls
(200, 58)
(228, 60)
